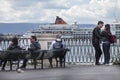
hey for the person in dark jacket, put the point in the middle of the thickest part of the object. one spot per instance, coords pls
(56, 45)
(12, 46)
(96, 37)
(106, 43)
(33, 46)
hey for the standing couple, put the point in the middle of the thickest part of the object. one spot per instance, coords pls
(104, 37)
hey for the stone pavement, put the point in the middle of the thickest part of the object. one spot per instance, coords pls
(71, 72)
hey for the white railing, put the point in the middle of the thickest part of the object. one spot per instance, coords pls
(81, 49)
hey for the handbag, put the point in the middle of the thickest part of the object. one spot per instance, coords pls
(113, 39)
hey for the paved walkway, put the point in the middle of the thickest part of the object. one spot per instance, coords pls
(76, 72)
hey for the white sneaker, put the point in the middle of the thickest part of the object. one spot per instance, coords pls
(108, 64)
(20, 71)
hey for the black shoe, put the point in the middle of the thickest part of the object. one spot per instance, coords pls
(50, 66)
(104, 63)
(97, 64)
(3, 69)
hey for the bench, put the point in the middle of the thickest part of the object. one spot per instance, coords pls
(46, 54)
(60, 53)
(54, 54)
(17, 55)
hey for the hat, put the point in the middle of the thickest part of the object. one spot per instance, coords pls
(58, 39)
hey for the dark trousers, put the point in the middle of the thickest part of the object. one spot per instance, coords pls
(106, 50)
(60, 61)
(1, 61)
(24, 63)
(98, 52)
(3, 64)
(50, 61)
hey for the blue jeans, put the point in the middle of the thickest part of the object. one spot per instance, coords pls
(106, 50)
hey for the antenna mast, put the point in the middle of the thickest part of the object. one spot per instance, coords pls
(115, 12)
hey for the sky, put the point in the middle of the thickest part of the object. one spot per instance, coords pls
(45, 11)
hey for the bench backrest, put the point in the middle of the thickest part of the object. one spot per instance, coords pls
(37, 54)
(59, 52)
(13, 54)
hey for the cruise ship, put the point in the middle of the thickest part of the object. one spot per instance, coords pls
(46, 33)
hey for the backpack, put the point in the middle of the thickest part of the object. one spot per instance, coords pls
(113, 39)
(58, 45)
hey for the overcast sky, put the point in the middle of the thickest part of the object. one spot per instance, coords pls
(45, 11)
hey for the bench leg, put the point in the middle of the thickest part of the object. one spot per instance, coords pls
(61, 61)
(64, 62)
(35, 63)
(42, 64)
(18, 64)
(56, 62)
(11, 65)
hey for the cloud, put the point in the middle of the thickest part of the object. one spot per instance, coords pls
(42, 11)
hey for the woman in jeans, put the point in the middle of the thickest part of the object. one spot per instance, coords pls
(106, 33)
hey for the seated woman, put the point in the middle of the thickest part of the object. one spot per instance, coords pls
(12, 46)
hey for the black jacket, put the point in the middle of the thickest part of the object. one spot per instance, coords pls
(96, 36)
(105, 36)
(14, 47)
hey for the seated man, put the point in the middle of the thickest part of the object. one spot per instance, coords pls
(56, 44)
(33, 46)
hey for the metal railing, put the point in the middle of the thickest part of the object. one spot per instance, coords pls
(81, 49)
(23, 42)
